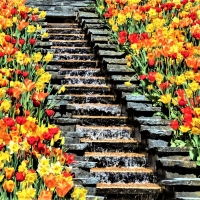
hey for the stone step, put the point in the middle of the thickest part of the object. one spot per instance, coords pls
(92, 197)
(65, 36)
(98, 46)
(96, 109)
(72, 88)
(118, 69)
(97, 38)
(173, 151)
(62, 25)
(156, 143)
(85, 181)
(69, 43)
(98, 32)
(115, 61)
(76, 147)
(151, 121)
(65, 49)
(110, 54)
(86, 15)
(134, 98)
(124, 78)
(182, 182)
(43, 44)
(122, 174)
(187, 198)
(65, 30)
(142, 107)
(92, 98)
(83, 164)
(75, 63)
(156, 131)
(111, 145)
(70, 56)
(118, 159)
(177, 161)
(128, 188)
(91, 21)
(101, 132)
(123, 87)
(90, 80)
(53, 68)
(80, 72)
(85, 98)
(190, 195)
(101, 120)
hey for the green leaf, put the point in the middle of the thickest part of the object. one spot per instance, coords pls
(198, 163)
(160, 114)
(193, 153)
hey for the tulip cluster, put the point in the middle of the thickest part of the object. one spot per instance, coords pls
(33, 162)
(161, 39)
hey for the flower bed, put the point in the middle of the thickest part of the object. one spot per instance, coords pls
(161, 39)
(33, 162)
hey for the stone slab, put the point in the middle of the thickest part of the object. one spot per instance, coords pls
(177, 161)
(77, 147)
(134, 98)
(152, 121)
(182, 181)
(156, 143)
(142, 107)
(110, 53)
(156, 131)
(115, 61)
(84, 164)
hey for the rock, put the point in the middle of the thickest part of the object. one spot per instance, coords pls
(182, 181)
(142, 107)
(156, 131)
(156, 143)
(152, 121)
(110, 53)
(134, 98)
(177, 161)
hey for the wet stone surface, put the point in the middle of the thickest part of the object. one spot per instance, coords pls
(103, 147)
(81, 72)
(102, 133)
(69, 44)
(128, 177)
(88, 80)
(118, 161)
(82, 50)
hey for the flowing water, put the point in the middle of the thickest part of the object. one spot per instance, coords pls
(107, 132)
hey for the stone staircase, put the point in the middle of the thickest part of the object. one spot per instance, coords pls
(116, 140)
(110, 161)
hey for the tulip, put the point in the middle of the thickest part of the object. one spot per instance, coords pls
(64, 186)
(165, 98)
(45, 195)
(50, 181)
(9, 186)
(9, 171)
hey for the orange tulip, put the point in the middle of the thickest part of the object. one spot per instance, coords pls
(22, 24)
(9, 186)
(8, 48)
(50, 181)
(64, 186)
(45, 195)
(29, 85)
(17, 92)
(9, 171)
(39, 96)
